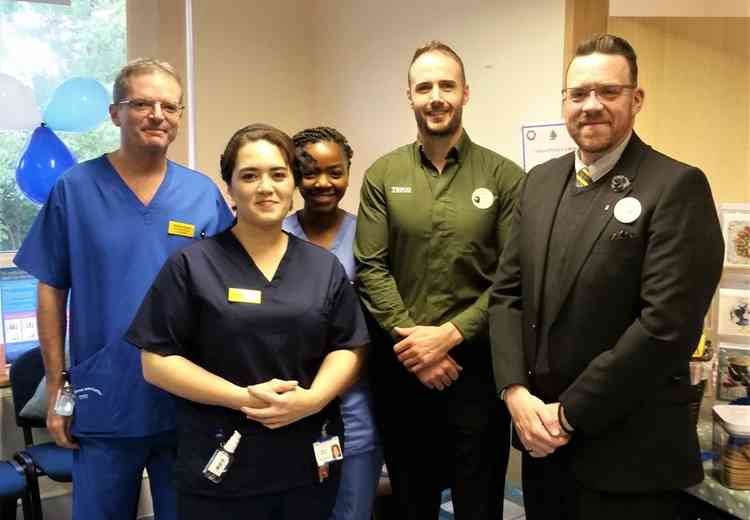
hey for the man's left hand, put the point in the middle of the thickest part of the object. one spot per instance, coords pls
(423, 345)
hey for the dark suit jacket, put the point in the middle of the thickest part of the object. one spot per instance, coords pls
(625, 322)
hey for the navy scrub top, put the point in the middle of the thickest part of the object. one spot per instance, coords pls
(306, 311)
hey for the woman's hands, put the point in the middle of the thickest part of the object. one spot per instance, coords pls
(277, 403)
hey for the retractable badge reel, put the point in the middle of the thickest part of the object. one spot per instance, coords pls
(66, 401)
(327, 450)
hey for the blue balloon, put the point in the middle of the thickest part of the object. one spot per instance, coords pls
(77, 105)
(42, 162)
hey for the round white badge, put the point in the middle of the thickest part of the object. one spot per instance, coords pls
(627, 210)
(482, 198)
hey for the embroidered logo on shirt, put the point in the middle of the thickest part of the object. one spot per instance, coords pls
(181, 229)
(482, 198)
(400, 189)
(243, 295)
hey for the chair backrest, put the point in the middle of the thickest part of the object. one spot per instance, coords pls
(25, 374)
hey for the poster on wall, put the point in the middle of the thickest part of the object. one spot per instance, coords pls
(544, 141)
(18, 312)
(735, 224)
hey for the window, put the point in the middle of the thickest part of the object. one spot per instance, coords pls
(41, 46)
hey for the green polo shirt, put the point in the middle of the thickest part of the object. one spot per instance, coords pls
(427, 244)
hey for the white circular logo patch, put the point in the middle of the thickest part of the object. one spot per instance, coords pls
(482, 198)
(627, 210)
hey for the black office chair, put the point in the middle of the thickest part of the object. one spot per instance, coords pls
(13, 487)
(37, 459)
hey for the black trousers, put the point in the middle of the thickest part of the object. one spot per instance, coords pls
(551, 492)
(471, 461)
(309, 502)
(457, 438)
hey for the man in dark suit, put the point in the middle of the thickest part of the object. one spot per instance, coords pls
(598, 303)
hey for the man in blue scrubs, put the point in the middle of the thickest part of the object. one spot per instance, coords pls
(108, 226)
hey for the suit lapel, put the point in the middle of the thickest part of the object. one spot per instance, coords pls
(600, 214)
(551, 186)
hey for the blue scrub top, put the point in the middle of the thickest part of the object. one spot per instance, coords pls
(356, 404)
(96, 238)
(284, 331)
(342, 244)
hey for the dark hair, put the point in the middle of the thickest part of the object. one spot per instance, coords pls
(609, 44)
(319, 134)
(137, 67)
(437, 46)
(258, 132)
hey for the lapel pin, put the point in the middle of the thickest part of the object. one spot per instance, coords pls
(620, 183)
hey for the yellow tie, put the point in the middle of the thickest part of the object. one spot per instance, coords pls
(583, 178)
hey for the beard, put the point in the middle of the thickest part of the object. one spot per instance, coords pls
(449, 128)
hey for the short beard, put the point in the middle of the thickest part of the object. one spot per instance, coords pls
(450, 129)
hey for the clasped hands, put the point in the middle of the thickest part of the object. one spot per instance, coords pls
(277, 403)
(423, 350)
(537, 423)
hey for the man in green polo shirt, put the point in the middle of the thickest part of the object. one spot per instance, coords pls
(433, 219)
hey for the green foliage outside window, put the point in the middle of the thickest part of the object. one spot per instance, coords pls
(43, 45)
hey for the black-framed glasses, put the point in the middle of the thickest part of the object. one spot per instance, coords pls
(608, 92)
(142, 106)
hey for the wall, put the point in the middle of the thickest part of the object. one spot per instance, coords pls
(251, 65)
(683, 8)
(157, 30)
(343, 63)
(696, 75)
(512, 53)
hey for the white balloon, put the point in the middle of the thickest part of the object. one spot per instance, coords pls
(18, 110)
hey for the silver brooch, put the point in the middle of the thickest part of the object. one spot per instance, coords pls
(620, 183)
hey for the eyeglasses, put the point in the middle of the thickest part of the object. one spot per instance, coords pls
(143, 106)
(603, 92)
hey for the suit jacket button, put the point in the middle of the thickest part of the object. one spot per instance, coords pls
(533, 325)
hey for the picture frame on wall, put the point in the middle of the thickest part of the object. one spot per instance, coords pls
(735, 225)
(733, 374)
(708, 320)
(734, 312)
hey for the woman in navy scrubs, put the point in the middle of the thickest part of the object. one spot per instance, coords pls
(258, 332)
(324, 156)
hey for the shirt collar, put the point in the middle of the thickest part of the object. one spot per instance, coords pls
(604, 164)
(457, 153)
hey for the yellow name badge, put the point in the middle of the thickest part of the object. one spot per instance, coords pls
(181, 229)
(243, 295)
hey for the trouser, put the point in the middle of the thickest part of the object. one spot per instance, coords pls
(107, 476)
(313, 502)
(551, 492)
(360, 474)
(457, 438)
(469, 459)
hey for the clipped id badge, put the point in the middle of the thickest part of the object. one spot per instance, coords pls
(327, 450)
(66, 401)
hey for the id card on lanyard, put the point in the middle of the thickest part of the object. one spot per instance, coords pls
(327, 449)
